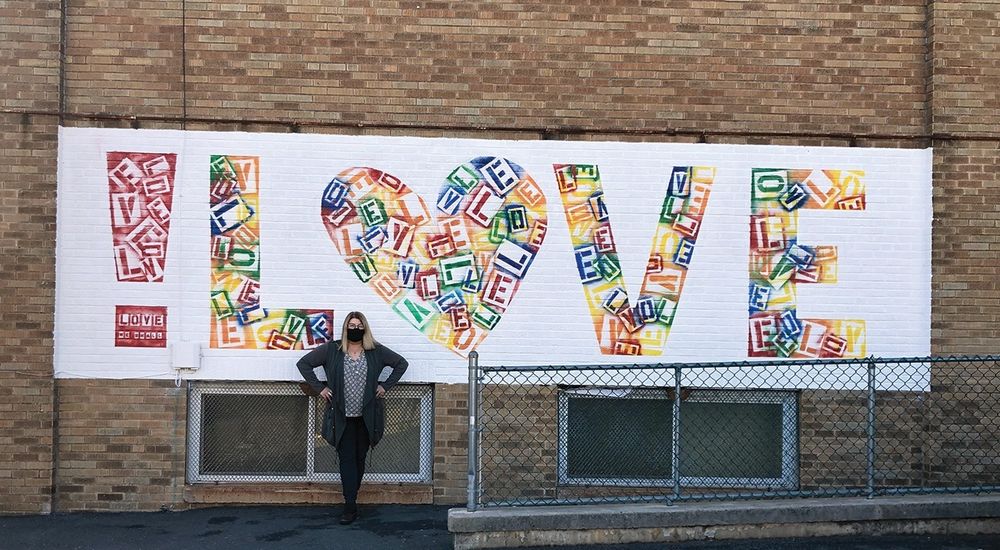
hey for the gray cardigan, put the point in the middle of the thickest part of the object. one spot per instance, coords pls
(331, 358)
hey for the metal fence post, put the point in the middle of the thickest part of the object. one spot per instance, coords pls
(870, 467)
(675, 436)
(473, 489)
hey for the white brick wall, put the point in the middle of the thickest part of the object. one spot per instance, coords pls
(884, 251)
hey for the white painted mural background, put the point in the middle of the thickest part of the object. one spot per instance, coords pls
(883, 264)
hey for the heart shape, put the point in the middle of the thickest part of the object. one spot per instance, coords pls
(451, 276)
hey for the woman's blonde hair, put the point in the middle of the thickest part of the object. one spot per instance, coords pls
(368, 340)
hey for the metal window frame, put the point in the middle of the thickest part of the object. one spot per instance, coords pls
(198, 389)
(789, 438)
(423, 392)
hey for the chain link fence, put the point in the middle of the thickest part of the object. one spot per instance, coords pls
(672, 432)
(270, 432)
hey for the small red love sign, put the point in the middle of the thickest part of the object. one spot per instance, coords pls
(141, 326)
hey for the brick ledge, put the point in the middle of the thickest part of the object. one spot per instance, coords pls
(304, 493)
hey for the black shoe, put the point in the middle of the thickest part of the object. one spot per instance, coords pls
(349, 515)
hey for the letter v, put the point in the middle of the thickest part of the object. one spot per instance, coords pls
(621, 328)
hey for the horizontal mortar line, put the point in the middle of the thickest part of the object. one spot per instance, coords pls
(545, 130)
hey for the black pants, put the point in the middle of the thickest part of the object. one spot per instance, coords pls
(352, 451)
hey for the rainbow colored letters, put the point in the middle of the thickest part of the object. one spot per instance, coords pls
(624, 329)
(452, 277)
(239, 319)
(778, 262)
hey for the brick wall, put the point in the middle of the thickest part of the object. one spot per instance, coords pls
(965, 98)
(29, 62)
(29, 59)
(832, 439)
(961, 423)
(942, 438)
(885, 67)
(519, 442)
(124, 57)
(121, 444)
(965, 306)
(622, 64)
(965, 297)
(451, 441)
(965, 57)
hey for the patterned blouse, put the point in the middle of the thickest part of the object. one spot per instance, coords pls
(355, 372)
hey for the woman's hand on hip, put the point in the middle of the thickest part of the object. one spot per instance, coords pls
(326, 394)
(380, 392)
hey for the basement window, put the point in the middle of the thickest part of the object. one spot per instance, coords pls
(270, 432)
(727, 438)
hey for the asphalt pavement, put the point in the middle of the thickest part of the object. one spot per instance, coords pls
(412, 527)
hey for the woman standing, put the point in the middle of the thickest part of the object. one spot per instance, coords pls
(353, 365)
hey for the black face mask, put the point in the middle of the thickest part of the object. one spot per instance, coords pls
(355, 334)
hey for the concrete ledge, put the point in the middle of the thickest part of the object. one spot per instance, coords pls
(622, 523)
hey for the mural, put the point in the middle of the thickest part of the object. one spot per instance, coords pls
(624, 329)
(738, 251)
(452, 276)
(140, 194)
(778, 262)
(239, 319)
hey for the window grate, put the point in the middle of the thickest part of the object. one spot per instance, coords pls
(270, 433)
(624, 437)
